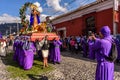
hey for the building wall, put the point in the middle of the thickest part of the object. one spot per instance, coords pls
(104, 17)
(73, 27)
(77, 26)
(84, 19)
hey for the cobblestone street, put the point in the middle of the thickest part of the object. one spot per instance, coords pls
(75, 67)
(72, 67)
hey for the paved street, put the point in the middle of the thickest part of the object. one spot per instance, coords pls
(72, 67)
(75, 67)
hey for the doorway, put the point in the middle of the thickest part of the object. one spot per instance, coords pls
(90, 24)
(62, 32)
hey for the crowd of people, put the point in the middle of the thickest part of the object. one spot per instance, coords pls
(92, 46)
(96, 47)
(25, 50)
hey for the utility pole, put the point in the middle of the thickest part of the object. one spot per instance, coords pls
(115, 16)
(17, 21)
(17, 28)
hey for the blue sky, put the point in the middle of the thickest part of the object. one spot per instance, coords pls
(11, 7)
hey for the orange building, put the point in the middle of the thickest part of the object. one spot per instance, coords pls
(90, 17)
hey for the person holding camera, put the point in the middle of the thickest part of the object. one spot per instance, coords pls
(102, 47)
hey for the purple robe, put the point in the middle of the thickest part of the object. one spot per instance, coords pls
(52, 52)
(105, 69)
(118, 48)
(1, 36)
(57, 57)
(32, 19)
(84, 46)
(16, 50)
(29, 56)
(21, 53)
(91, 52)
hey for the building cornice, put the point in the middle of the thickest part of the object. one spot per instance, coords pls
(93, 7)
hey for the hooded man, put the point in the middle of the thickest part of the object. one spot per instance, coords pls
(102, 47)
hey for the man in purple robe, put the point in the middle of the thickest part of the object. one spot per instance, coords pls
(51, 51)
(15, 49)
(57, 57)
(84, 44)
(105, 68)
(29, 55)
(91, 52)
(21, 55)
(117, 40)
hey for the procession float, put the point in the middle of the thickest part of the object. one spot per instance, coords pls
(34, 27)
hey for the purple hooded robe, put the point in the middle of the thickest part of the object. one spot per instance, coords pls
(29, 56)
(16, 50)
(91, 52)
(118, 47)
(105, 69)
(52, 51)
(57, 57)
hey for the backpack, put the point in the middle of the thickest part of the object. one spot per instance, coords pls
(112, 53)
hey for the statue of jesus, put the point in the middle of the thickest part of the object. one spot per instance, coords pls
(34, 18)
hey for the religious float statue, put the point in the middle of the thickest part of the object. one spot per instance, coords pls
(34, 26)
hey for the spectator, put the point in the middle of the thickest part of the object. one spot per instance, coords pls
(105, 69)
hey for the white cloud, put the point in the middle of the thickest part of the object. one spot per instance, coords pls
(5, 18)
(55, 4)
(39, 6)
(65, 4)
(42, 17)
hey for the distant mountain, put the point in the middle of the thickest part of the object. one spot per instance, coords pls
(5, 28)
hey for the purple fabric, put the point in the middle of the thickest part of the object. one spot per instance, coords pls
(15, 49)
(84, 47)
(52, 51)
(29, 56)
(21, 54)
(0, 35)
(32, 19)
(118, 48)
(91, 52)
(105, 30)
(57, 57)
(105, 69)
